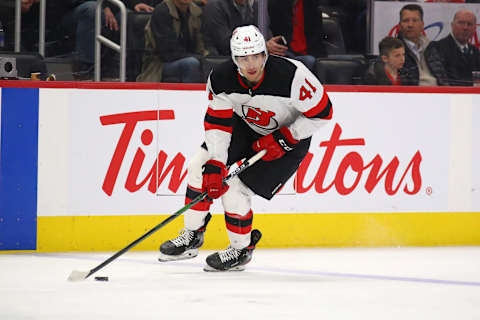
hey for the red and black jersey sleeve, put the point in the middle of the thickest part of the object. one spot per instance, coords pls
(218, 119)
(322, 110)
(310, 98)
(218, 123)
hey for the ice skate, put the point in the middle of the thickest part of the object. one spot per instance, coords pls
(185, 246)
(232, 259)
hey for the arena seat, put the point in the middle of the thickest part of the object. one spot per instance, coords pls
(211, 61)
(340, 70)
(333, 38)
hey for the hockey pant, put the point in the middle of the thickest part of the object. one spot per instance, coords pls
(236, 204)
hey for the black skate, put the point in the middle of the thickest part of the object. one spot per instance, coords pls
(232, 259)
(185, 246)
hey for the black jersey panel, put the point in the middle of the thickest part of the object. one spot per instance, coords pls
(277, 81)
(279, 74)
(224, 79)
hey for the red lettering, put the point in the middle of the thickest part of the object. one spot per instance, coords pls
(130, 120)
(156, 180)
(353, 161)
(331, 145)
(176, 166)
(374, 177)
(351, 166)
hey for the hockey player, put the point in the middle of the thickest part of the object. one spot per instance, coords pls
(256, 102)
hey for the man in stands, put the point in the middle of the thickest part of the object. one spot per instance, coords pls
(422, 61)
(458, 56)
(174, 43)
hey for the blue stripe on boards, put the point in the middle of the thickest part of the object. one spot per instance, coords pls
(18, 169)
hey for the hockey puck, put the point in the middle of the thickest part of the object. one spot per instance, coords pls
(101, 278)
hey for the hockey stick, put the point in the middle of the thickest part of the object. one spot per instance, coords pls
(82, 275)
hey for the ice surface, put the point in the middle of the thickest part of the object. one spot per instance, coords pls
(377, 283)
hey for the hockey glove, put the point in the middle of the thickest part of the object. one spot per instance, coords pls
(276, 143)
(213, 174)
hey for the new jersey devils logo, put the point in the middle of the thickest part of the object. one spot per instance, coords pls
(259, 117)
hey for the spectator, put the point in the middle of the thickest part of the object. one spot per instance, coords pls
(222, 17)
(422, 61)
(73, 19)
(386, 70)
(299, 23)
(174, 43)
(138, 14)
(81, 16)
(458, 56)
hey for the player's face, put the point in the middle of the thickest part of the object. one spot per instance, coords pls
(395, 58)
(463, 26)
(411, 25)
(251, 66)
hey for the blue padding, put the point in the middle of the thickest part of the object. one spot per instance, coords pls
(18, 169)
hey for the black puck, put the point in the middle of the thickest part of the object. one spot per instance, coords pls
(101, 278)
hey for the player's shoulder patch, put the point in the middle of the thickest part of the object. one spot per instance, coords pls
(223, 77)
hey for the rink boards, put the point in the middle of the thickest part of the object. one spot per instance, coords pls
(89, 166)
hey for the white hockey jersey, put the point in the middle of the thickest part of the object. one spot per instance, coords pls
(287, 95)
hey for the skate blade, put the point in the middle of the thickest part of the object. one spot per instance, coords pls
(207, 268)
(189, 254)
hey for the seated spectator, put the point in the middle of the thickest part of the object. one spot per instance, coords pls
(458, 56)
(73, 19)
(138, 14)
(174, 43)
(81, 16)
(222, 17)
(386, 70)
(422, 61)
(299, 23)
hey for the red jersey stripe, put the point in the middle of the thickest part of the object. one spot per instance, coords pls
(209, 126)
(224, 113)
(318, 108)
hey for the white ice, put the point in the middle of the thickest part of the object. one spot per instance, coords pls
(350, 283)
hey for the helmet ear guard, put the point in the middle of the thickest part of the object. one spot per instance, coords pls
(246, 41)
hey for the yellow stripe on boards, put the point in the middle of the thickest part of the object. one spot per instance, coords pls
(112, 233)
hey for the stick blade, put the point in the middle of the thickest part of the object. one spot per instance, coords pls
(77, 275)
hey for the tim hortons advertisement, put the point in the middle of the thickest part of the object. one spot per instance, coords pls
(126, 152)
(437, 19)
